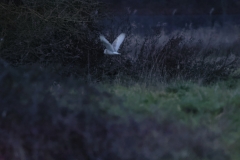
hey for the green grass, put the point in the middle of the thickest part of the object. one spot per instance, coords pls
(180, 98)
(216, 106)
(190, 103)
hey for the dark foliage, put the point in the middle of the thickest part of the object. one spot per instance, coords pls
(64, 36)
(58, 33)
(179, 60)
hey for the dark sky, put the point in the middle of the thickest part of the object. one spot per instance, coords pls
(167, 7)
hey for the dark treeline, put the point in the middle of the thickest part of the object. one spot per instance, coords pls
(167, 7)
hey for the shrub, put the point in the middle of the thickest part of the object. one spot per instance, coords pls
(179, 59)
(60, 32)
(180, 56)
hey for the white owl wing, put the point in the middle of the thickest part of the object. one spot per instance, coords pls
(106, 43)
(118, 41)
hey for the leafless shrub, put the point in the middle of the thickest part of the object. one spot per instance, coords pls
(177, 59)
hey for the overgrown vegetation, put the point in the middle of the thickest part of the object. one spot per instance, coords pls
(62, 98)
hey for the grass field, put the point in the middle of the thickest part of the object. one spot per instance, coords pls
(171, 120)
(205, 109)
(215, 106)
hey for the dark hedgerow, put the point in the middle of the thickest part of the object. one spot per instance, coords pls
(178, 59)
(64, 36)
(147, 60)
(60, 33)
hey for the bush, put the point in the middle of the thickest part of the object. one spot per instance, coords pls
(61, 33)
(179, 59)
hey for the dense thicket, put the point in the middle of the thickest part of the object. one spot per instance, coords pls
(57, 33)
